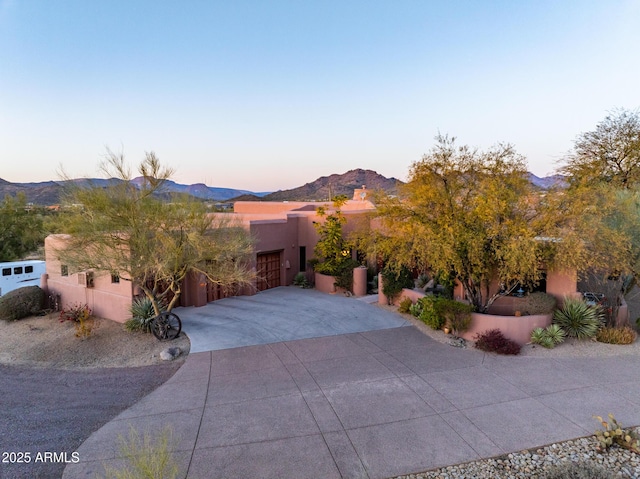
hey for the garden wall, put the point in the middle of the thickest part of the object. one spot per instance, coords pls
(516, 328)
(325, 283)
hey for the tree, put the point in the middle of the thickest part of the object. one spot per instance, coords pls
(130, 229)
(333, 250)
(603, 204)
(21, 228)
(469, 213)
(610, 154)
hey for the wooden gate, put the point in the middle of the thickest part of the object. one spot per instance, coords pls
(268, 270)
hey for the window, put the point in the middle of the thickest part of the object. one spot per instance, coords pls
(64, 270)
(6, 271)
(115, 278)
(17, 270)
(28, 269)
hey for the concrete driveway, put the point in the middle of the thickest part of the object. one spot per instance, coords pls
(279, 314)
(370, 404)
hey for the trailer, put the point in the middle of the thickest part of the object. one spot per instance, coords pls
(18, 274)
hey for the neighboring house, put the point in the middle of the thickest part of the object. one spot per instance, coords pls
(285, 239)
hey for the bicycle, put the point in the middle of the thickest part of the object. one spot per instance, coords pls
(166, 326)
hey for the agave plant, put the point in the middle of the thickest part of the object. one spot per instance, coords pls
(538, 335)
(578, 319)
(142, 313)
(549, 337)
(555, 333)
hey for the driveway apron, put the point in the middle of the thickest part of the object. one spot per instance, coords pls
(293, 399)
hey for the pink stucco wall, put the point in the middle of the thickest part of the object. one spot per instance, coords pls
(106, 299)
(326, 284)
(516, 328)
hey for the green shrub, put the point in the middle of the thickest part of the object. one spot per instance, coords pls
(624, 335)
(300, 280)
(432, 312)
(394, 281)
(21, 302)
(142, 313)
(577, 470)
(549, 337)
(416, 308)
(457, 315)
(494, 341)
(405, 305)
(578, 319)
(538, 303)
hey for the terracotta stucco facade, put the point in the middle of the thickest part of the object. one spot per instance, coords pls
(282, 230)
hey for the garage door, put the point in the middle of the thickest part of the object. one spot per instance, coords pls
(268, 268)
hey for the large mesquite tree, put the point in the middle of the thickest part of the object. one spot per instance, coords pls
(469, 213)
(135, 230)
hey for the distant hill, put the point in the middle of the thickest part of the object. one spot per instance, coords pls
(326, 187)
(548, 181)
(45, 193)
(202, 191)
(49, 192)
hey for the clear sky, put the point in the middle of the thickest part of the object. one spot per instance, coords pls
(267, 95)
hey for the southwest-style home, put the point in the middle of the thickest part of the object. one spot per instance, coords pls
(285, 238)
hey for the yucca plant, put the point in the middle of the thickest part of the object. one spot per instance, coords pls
(578, 319)
(142, 313)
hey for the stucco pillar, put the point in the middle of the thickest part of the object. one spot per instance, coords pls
(382, 299)
(360, 281)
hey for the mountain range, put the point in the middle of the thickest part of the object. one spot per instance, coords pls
(49, 192)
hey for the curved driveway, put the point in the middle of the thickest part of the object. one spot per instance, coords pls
(368, 404)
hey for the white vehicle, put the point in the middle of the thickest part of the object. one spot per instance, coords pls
(17, 274)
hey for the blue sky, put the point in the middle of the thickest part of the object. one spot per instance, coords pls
(267, 95)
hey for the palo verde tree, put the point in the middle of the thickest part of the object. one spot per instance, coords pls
(21, 228)
(134, 229)
(467, 213)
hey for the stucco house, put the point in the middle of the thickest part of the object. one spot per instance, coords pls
(285, 238)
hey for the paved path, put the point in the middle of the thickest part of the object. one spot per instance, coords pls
(369, 404)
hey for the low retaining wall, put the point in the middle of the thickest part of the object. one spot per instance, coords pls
(516, 328)
(326, 284)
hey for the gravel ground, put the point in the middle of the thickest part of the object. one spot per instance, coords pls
(57, 389)
(536, 463)
(44, 341)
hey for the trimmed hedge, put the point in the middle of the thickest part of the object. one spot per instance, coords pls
(22, 302)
